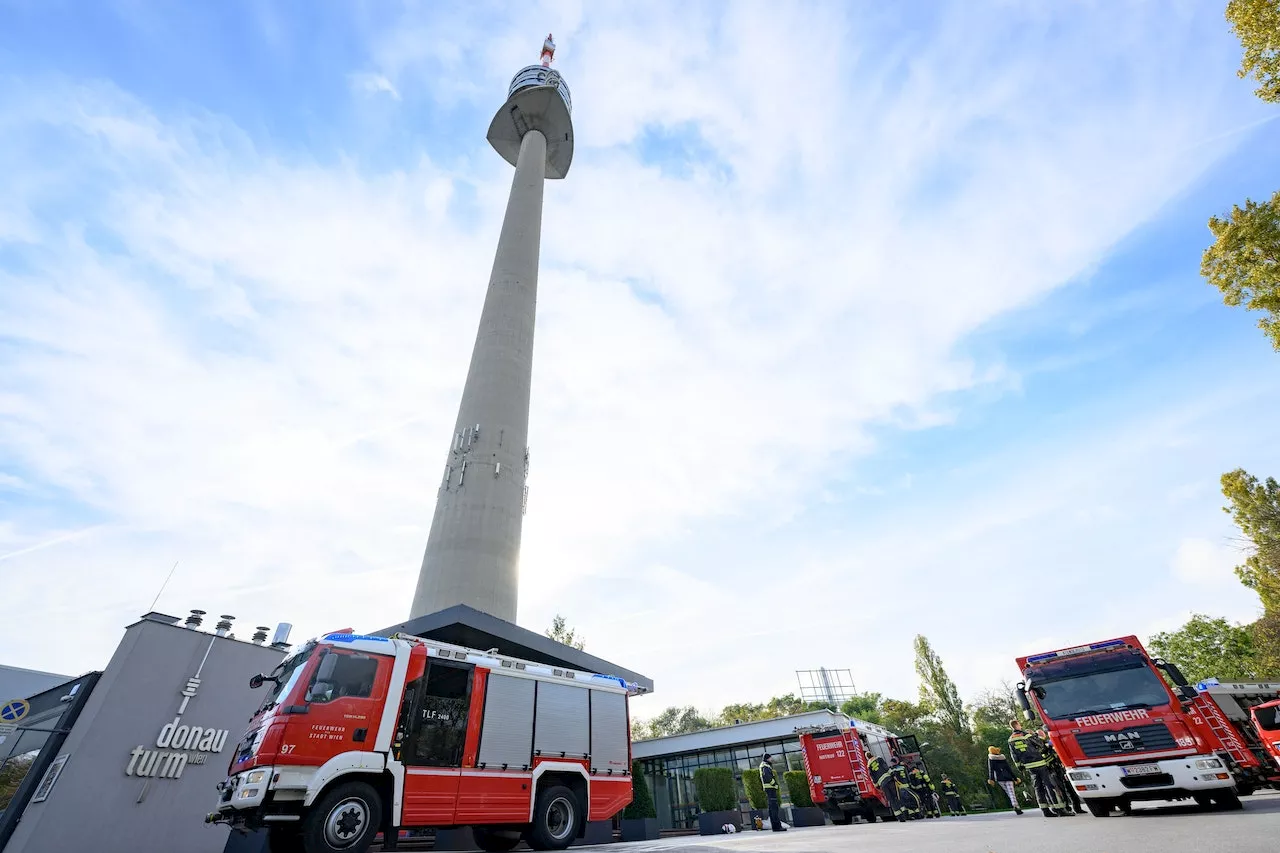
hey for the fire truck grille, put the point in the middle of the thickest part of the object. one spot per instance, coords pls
(1126, 741)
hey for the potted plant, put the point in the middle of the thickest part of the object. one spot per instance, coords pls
(717, 800)
(803, 811)
(755, 795)
(639, 818)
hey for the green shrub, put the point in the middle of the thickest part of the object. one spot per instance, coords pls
(641, 804)
(716, 791)
(754, 788)
(798, 788)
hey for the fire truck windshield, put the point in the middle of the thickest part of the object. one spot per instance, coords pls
(1120, 686)
(1268, 718)
(286, 674)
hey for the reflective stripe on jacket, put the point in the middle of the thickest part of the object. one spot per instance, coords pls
(767, 777)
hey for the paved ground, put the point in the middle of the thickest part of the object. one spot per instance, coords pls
(1147, 830)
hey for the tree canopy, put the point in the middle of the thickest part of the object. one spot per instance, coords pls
(1257, 24)
(561, 633)
(1254, 505)
(1244, 261)
(937, 690)
(1209, 648)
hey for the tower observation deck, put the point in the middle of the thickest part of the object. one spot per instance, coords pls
(473, 549)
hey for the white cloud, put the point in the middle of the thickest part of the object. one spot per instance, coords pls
(1200, 561)
(369, 83)
(249, 362)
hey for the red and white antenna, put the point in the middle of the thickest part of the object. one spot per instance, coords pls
(548, 51)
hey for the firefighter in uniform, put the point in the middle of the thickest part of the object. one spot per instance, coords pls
(952, 795)
(922, 785)
(1060, 772)
(1029, 753)
(882, 775)
(910, 802)
(769, 779)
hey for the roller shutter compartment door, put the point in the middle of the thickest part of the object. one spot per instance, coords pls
(507, 735)
(563, 721)
(609, 734)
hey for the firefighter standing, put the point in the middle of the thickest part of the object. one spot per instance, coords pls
(910, 802)
(952, 795)
(923, 788)
(1060, 772)
(1029, 752)
(882, 775)
(769, 780)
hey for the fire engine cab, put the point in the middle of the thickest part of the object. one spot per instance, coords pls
(835, 760)
(361, 734)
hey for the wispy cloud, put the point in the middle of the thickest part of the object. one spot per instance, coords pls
(369, 83)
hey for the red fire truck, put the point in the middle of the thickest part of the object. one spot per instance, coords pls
(361, 734)
(1126, 735)
(835, 759)
(1229, 711)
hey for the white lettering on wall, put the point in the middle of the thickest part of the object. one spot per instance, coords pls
(178, 744)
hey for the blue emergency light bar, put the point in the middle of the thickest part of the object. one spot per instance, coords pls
(1078, 650)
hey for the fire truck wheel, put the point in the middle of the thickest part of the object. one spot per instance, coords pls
(555, 819)
(869, 815)
(1099, 808)
(493, 840)
(344, 820)
(284, 840)
(1228, 801)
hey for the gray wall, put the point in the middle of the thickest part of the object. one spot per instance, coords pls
(95, 805)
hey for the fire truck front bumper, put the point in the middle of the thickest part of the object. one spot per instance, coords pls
(240, 793)
(1152, 780)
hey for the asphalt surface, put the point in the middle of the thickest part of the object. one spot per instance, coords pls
(1157, 829)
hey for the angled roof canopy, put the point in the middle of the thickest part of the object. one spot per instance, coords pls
(466, 626)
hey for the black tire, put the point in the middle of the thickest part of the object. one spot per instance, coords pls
(1098, 808)
(869, 814)
(1245, 790)
(345, 820)
(1228, 801)
(494, 840)
(284, 840)
(1204, 801)
(557, 814)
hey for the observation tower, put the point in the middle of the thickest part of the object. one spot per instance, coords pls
(473, 549)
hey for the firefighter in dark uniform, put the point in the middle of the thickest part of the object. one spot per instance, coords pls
(1060, 772)
(882, 775)
(952, 795)
(1030, 753)
(910, 802)
(769, 780)
(923, 788)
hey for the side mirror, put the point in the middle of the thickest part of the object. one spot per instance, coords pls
(328, 664)
(1022, 700)
(257, 681)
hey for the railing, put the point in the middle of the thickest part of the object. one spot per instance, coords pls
(537, 75)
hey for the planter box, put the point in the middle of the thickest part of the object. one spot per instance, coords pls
(711, 823)
(810, 816)
(640, 829)
(596, 832)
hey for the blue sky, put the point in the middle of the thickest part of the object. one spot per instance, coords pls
(854, 323)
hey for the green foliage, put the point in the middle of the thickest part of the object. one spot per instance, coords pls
(1205, 648)
(937, 690)
(755, 788)
(864, 706)
(641, 804)
(672, 721)
(12, 774)
(1244, 261)
(716, 791)
(1255, 508)
(903, 717)
(797, 782)
(1257, 23)
(561, 633)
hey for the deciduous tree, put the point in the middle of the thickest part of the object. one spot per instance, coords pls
(1207, 648)
(1255, 508)
(561, 633)
(938, 690)
(1257, 23)
(1244, 261)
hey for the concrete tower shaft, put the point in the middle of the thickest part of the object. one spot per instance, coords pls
(473, 549)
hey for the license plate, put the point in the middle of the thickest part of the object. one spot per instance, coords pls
(1140, 769)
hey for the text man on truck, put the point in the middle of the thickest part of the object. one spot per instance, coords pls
(360, 734)
(1121, 731)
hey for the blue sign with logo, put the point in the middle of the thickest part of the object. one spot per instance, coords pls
(349, 638)
(14, 710)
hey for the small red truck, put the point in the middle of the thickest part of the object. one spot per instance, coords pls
(1125, 733)
(362, 734)
(835, 760)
